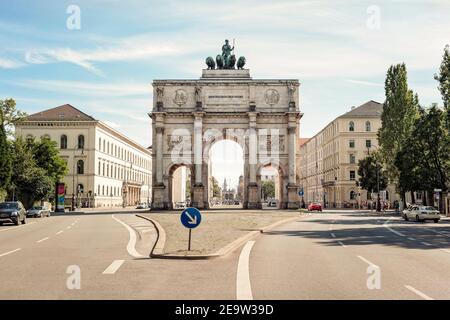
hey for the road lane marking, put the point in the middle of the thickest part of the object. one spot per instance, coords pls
(9, 252)
(46, 238)
(132, 242)
(412, 239)
(113, 267)
(392, 230)
(426, 243)
(342, 244)
(333, 235)
(243, 285)
(59, 232)
(68, 227)
(21, 226)
(367, 261)
(445, 250)
(419, 293)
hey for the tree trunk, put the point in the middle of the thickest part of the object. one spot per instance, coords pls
(413, 198)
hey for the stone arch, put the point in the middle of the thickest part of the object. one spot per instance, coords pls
(168, 177)
(282, 180)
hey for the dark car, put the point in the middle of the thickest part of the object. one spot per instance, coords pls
(315, 207)
(12, 212)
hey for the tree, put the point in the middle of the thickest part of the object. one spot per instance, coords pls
(5, 162)
(46, 154)
(268, 189)
(444, 78)
(31, 182)
(400, 110)
(372, 177)
(9, 115)
(215, 187)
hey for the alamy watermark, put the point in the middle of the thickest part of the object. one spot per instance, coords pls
(73, 22)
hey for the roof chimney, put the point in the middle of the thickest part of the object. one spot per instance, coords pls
(353, 107)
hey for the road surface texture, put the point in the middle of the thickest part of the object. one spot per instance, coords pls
(330, 255)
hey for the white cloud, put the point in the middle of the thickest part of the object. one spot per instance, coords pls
(10, 64)
(365, 83)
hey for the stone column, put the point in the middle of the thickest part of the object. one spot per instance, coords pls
(292, 188)
(158, 187)
(254, 201)
(198, 200)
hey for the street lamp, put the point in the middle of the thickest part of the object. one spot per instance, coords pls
(73, 175)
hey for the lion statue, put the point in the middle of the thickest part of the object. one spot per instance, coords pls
(241, 63)
(210, 63)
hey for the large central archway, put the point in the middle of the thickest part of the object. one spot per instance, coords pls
(190, 116)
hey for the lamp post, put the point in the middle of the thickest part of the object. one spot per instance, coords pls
(335, 202)
(73, 174)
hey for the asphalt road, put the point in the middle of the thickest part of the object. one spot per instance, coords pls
(320, 256)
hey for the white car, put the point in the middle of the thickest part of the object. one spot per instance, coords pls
(421, 213)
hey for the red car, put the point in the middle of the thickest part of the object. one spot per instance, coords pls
(315, 207)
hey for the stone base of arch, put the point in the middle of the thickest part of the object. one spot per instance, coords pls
(158, 198)
(293, 202)
(254, 200)
(198, 201)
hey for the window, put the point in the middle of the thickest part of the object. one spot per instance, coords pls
(352, 175)
(100, 144)
(63, 142)
(352, 158)
(368, 128)
(99, 167)
(80, 188)
(98, 189)
(80, 167)
(368, 143)
(80, 141)
(351, 126)
(352, 195)
(351, 143)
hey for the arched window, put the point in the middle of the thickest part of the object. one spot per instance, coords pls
(80, 167)
(80, 188)
(368, 128)
(80, 141)
(352, 195)
(351, 126)
(63, 142)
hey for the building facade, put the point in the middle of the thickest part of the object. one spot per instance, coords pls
(328, 162)
(105, 168)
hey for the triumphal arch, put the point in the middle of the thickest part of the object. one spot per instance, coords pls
(189, 116)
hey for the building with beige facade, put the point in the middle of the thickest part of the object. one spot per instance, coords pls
(328, 162)
(105, 168)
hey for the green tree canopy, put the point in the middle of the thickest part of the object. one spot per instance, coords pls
(371, 174)
(9, 115)
(5, 161)
(268, 189)
(400, 110)
(444, 82)
(46, 154)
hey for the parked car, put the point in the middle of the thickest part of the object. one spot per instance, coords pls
(315, 207)
(142, 205)
(13, 212)
(421, 213)
(38, 212)
(180, 205)
(272, 203)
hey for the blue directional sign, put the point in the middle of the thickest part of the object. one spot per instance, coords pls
(300, 193)
(191, 218)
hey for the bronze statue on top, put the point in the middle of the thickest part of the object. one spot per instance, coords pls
(226, 60)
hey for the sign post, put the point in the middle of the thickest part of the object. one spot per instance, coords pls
(190, 218)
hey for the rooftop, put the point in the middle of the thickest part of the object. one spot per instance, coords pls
(62, 113)
(369, 109)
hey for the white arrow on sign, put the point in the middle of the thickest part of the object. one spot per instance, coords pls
(191, 220)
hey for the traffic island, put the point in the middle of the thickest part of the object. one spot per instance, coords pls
(219, 233)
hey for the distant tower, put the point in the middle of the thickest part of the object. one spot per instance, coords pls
(225, 184)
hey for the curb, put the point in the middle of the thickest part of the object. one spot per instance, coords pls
(158, 248)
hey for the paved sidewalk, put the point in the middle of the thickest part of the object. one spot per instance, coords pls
(217, 229)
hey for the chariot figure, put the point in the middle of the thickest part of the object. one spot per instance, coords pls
(226, 52)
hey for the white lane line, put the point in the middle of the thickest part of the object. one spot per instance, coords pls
(132, 242)
(333, 235)
(21, 226)
(68, 227)
(342, 244)
(59, 232)
(445, 250)
(9, 252)
(113, 267)
(46, 238)
(243, 286)
(419, 293)
(330, 227)
(367, 261)
(412, 239)
(392, 230)
(426, 243)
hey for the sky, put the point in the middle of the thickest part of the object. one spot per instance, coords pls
(339, 50)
